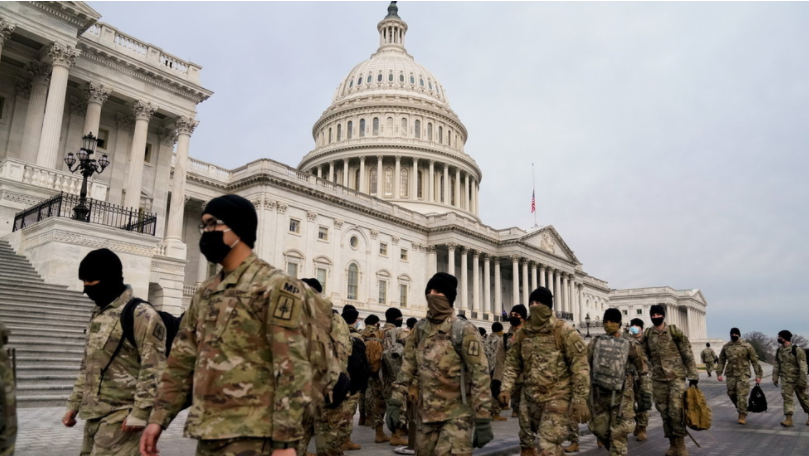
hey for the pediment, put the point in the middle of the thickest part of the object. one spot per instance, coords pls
(548, 240)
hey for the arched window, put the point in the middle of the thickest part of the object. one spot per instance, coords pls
(329, 135)
(350, 83)
(421, 81)
(339, 132)
(417, 130)
(401, 77)
(419, 180)
(359, 81)
(353, 281)
(412, 79)
(429, 131)
(379, 77)
(389, 126)
(388, 181)
(441, 134)
(430, 84)
(441, 189)
(357, 180)
(349, 129)
(376, 126)
(403, 183)
(362, 128)
(390, 77)
(449, 137)
(372, 189)
(370, 78)
(404, 127)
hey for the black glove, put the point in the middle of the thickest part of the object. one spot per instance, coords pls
(645, 401)
(339, 392)
(483, 432)
(393, 414)
(693, 382)
(496, 388)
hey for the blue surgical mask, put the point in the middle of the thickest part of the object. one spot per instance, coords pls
(634, 330)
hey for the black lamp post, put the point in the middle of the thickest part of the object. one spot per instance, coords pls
(88, 166)
(587, 322)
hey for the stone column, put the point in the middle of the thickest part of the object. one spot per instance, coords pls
(6, 29)
(397, 177)
(498, 288)
(143, 112)
(320, 171)
(487, 284)
(174, 235)
(557, 292)
(580, 302)
(464, 279)
(345, 173)
(475, 207)
(542, 276)
(445, 193)
(432, 262)
(96, 96)
(331, 171)
(380, 177)
(515, 280)
(40, 74)
(564, 295)
(118, 171)
(62, 58)
(431, 183)
(457, 188)
(689, 318)
(533, 276)
(525, 288)
(476, 283)
(451, 258)
(465, 198)
(414, 184)
(362, 184)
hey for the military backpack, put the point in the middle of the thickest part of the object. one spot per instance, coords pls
(758, 401)
(795, 354)
(358, 368)
(698, 414)
(374, 350)
(610, 355)
(393, 353)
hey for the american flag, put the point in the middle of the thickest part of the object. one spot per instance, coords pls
(533, 202)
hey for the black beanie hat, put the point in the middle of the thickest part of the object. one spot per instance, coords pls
(786, 335)
(657, 309)
(482, 331)
(520, 309)
(371, 320)
(735, 331)
(497, 327)
(350, 314)
(636, 322)
(411, 322)
(314, 284)
(708, 344)
(613, 315)
(238, 214)
(393, 314)
(103, 265)
(543, 296)
(443, 283)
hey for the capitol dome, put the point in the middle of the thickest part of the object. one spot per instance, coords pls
(390, 133)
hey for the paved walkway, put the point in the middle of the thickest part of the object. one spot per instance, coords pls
(42, 434)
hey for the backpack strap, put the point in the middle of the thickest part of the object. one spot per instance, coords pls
(456, 335)
(128, 328)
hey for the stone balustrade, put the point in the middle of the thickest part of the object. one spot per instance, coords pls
(56, 180)
(189, 290)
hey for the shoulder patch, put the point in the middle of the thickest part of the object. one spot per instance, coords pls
(579, 346)
(285, 307)
(159, 332)
(474, 348)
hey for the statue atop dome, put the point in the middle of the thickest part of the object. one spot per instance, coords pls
(393, 10)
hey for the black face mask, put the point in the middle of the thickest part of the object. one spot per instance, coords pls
(515, 321)
(103, 293)
(734, 338)
(397, 322)
(780, 341)
(658, 321)
(213, 246)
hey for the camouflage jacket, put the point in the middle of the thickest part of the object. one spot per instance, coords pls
(551, 371)
(431, 361)
(636, 378)
(708, 355)
(735, 360)
(8, 401)
(242, 354)
(510, 335)
(342, 340)
(131, 380)
(790, 365)
(496, 352)
(635, 363)
(669, 353)
(642, 380)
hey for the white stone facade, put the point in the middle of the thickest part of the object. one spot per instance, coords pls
(386, 198)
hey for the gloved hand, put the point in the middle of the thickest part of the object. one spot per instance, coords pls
(645, 402)
(504, 398)
(496, 388)
(801, 386)
(339, 392)
(393, 414)
(775, 381)
(483, 432)
(579, 412)
(693, 382)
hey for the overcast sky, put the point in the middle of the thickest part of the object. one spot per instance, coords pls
(669, 139)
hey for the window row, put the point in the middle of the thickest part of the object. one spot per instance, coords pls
(391, 77)
(323, 235)
(430, 132)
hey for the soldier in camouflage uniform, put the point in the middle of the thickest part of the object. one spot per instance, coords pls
(8, 428)
(669, 353)
(241, 352)
(346, 426)
(708, 357)
(116, 406)
(516, 319)
(454, 388)
(614, 412)
(375, 395)
(642, 383)
(553, 358)
(790, 366)
(735, 360)
(393, 333)
(369, 331)
(496, 357)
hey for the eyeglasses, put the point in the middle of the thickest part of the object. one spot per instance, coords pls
(210, 225)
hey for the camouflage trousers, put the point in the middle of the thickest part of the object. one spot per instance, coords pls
(549, 420)
(709, 367)
(445, 437)
(375, 402)
(361, 406)
(788, 392)
(346, 425)
(642, 418)
(738, 392)
(324, 424)
(104, 437)
(516, 397)
(668, 398)
(613, 422)
(573, 432)
(496, 408)
(245, 446)
(527, 439)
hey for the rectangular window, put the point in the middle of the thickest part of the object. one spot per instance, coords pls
(322, 275)
(294, 226)
(383, 291)
(323, 233)
(147, 156)
(403, 295)
(403, 255)
(623, 312)
(103, 137)
(292, 269)
(383, 249)
(640, 311)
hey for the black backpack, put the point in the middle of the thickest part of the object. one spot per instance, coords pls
(358, 368)
(758, 401)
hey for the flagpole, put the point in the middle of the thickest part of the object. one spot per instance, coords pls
(533, 193)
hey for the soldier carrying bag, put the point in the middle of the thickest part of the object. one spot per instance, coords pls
(758, 401)
(393, 353)
(698, 414)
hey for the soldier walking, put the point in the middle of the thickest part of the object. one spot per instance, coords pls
(643, 384)
(8, 430)
(346, 427)
(516, 319)
(393, 334)
(553, 359)
(445, 358)
(375, 395)
(668, 351)
(790, 368)
(370, 331)
(614, 363)
(115, 393)
(241, 352)
(735, 360)
(708, 358)
(496, 357)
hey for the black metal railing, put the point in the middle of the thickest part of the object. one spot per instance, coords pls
(99, 212)
(567, 316)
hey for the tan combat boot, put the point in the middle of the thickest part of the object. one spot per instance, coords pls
(499, 418)
(681, 448)
(514, 414)
(641, 435)
(742, 418)
(528, 452)
(351, 446)
(672, 447)
(380, 435)
(572, 448)
(398, 438)
(787, 421)
(598, 442)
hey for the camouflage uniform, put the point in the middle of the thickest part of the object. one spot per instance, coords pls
(642, 382)
(791, 368)
(446, 423)
(612, 422)
(129, 387)
(709, 358)
(554, 377)
(349, 408)
(669, 354)
(526, 439)
(8, 402)
(375, 399)
(736, 358)
(243, 356)
(496, 352)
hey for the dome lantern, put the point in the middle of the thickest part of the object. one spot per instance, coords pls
(392, 30)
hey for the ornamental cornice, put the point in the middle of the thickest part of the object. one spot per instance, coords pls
(338, 224)
(311, 215)
(21, 198)
(60, 10)
(395, 240)
(168, 267)
(371, 110)
(93, 242)
(374, 234)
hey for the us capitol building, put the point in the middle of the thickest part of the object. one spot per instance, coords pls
(386, 198)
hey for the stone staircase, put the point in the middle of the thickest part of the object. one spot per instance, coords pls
(47, 324)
